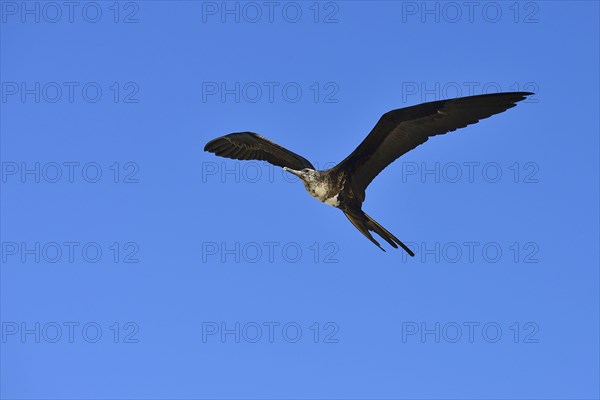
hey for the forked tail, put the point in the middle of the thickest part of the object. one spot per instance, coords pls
(364, 224)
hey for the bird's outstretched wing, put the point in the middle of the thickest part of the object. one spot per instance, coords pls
(252, 146)
(399, 131)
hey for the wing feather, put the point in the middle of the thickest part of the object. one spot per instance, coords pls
(252, 146)
(399, 131)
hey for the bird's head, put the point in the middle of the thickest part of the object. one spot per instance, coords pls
(305, 174)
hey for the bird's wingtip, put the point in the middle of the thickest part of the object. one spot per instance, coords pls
(524, 95)
(518, 96)
(210, 145)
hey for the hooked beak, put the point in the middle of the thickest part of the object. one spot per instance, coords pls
(293, 171)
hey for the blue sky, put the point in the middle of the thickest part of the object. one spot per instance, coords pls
(135, 265)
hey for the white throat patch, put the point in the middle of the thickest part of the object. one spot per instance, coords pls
(332, 201)
(319, 191)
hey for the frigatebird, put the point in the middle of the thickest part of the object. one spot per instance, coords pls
(396, 133)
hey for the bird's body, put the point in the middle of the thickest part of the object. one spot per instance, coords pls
(396, 133)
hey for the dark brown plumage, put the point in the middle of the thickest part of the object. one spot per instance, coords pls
(399, 131)
(252, 146)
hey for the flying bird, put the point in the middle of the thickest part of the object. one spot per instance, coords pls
(396, 133)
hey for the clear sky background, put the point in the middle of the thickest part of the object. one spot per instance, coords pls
(135, 265)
